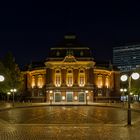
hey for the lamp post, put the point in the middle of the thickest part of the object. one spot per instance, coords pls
(51, 96)
(123, 90)
(8, 94)
(51, 99)
(124, 78)
(13, 91)
(2, 78)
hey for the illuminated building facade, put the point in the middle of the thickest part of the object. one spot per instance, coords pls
(70, 76)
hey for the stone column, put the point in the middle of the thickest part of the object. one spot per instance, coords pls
(75, 76)
(90, 76)
(48, 76)
(63, 94)
(75, 95)
(87, 76)
(63, 74)
(52, 76)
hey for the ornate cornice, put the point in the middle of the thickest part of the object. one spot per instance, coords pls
(74, 88)
(72, 64)
(41, 71)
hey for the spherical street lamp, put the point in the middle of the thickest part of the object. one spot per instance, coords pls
(13, 90)
(125, 90)
(124, 78)
(1, 78)
(135, 76)
(86, 91)
(8, 93)
(121, 90)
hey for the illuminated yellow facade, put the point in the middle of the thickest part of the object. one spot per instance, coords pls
(35, 82)
(71, 76)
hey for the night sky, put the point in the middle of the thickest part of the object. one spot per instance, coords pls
(30, 28)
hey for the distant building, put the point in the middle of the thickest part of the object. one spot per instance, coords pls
(127, 58)
(70, 76)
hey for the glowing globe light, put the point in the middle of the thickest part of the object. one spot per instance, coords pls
(124, 78)
(8, 93)
(125, 90)
(135, 76)
(86, 91)
(1, 78)
(121, 90)
(75, 98)
(63, 97)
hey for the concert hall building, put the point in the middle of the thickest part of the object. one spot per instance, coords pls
(70, 75)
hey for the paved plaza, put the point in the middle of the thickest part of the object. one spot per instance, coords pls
(68, 122)
(62, 132)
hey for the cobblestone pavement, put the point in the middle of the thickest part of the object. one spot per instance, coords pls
(67, 115)
(68, 132)
(59, 122)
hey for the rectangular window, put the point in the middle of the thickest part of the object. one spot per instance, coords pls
(58, 80)
(33, 81)
(100, 82)
(40, 81)
(81, 82)
(69, 96)
(69, 80)
(107, 82)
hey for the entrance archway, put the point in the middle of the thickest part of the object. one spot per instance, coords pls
(58, 97)
(81, 97)
(69, 96)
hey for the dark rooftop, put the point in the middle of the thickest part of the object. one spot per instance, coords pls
(70, 45)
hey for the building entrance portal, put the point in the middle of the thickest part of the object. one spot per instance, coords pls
(57, 97)
(81, 97)
(69, 96)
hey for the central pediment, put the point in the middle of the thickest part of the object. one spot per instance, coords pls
(69, 58)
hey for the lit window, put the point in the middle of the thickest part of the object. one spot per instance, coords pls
(57, 78)
(81, 78)
(69, 81)
(33, 82)
(107, 81)
(69, 78)
(40, 81)
(100, 81)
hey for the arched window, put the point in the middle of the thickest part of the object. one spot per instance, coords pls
(33, 82)
(57, 78)
(100, 81)
(69, 80)
(107, 82)
(81, 77)
(40, 81)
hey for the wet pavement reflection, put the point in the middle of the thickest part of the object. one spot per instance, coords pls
(68, 122)
(67, 115)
